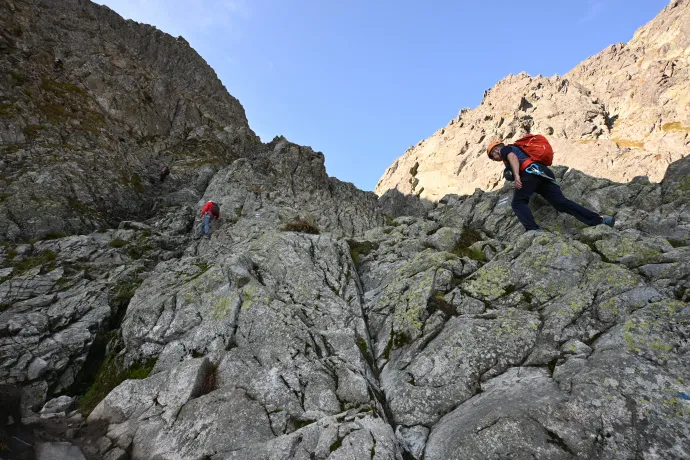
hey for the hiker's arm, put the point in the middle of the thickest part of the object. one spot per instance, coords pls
(515, 166)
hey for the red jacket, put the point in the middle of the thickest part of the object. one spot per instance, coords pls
(208, 208)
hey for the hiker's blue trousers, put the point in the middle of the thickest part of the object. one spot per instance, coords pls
(551, 193)
(204, 229)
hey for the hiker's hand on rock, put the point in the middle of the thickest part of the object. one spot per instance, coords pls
(518, 183)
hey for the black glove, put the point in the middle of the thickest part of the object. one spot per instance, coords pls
(508, 175)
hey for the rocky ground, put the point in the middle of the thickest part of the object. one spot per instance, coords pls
(319, 322)
(622, 113)
(449, 336)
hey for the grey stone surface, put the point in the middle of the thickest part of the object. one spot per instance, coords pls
(62, 403)
(317, 322)
(58, 451)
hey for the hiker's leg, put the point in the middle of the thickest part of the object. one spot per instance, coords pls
(207, 218)
(553, 194)
(520, 203)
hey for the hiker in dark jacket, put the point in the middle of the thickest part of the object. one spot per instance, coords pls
(531, 176)
(165, 173)
(210, 210)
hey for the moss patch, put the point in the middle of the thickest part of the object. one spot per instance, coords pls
(390, 221)
(8, 110)
(62, 89)
(110, 375)
(117, 243)
(63, 102)
(55, 235)
(46, 257)
(33, 131)
(132, 181)
(123, 292)
(360, 248)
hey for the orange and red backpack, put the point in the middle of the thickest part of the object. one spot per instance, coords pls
(537, 149)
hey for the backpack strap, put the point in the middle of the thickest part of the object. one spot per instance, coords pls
(525, 164)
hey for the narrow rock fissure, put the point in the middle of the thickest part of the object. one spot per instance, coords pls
(370, 360)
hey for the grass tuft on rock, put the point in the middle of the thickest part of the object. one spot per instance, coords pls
(358, 249)
(117, 243)
(463, 248)
(305, 224)
(46, 257)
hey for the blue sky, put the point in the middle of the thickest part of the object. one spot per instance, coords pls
(362, 80)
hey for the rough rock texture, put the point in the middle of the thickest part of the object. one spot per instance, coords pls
(453, 337)
(622, 113)
(83, 140)
(312, 326)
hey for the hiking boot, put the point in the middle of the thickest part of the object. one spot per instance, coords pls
(608, 220)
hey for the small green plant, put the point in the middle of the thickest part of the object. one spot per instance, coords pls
(55, 235)
(33, 131)
(17, 78)
(390, 221)
(136, 183)
(45, 258)
(360, 248)
(305, 224)
(62, 89)
(472, 253)
(336, 445)
(463, 247)
(438, 302)
(117, 243)
(123, 292)
(400, 339)
(110, 375)
(8, 110)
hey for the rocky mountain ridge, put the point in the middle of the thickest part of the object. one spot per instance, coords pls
(318, 322)
(622, 113)
(94, 106)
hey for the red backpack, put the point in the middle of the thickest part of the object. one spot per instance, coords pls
(537, 148)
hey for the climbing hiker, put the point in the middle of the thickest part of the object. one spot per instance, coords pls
(527, 162)
(210, 210)
(165, 173)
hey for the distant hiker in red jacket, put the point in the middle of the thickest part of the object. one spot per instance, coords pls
(211, 210)
(526, 163)
(165, 173)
